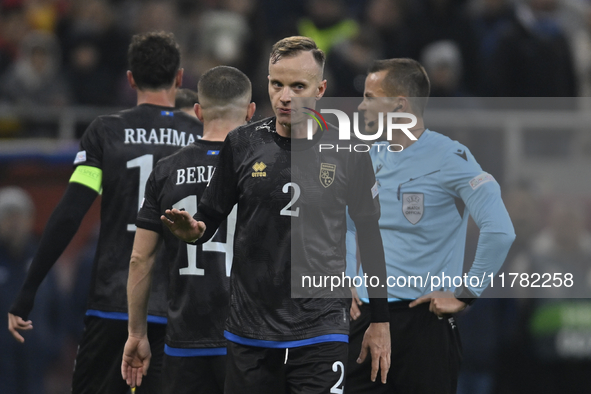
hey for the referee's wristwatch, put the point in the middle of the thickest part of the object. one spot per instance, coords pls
(464, 295)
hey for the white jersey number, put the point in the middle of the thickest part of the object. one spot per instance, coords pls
(145, 164)
(335, 367)
(296, 194)
(189, 203)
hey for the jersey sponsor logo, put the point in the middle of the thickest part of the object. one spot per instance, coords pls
(462, 153)
(198, 174)
(167, 113)
(259, 170)
(327, 173)
(481, 179)
(413, 206)
(162, 136)
(374, 190)
(213, 152)
(80, 157)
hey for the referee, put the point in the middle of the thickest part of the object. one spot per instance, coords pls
(427, 191)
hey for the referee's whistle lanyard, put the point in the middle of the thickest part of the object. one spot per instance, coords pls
(410, 180)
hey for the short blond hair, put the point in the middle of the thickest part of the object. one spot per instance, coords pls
(291, 46)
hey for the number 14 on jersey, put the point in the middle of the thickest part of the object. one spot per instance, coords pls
(189, 204)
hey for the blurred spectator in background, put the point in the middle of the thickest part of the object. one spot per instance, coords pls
(490, 18)
(532, 56)
(231, 34)
(185, 100)
(23, 366)
(559, 328)
(223, 35)
(90, 82)
(565, 246)
(494, 329)
(155, 15)
(348, 63)
(434, 20)
(390, 21)
(281, 18)
(581, 49)
(327, 22)
(234, 34)
(44, 14)
(36, 77)
(13, 28)
(443, 62)
(94, 48)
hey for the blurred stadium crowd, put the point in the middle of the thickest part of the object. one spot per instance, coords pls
(59, 53)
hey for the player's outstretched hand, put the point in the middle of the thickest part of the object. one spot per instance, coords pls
(440, 303)
(377, 341)
(136, 360)
(17, 323)
(355, 303)
(182, 225)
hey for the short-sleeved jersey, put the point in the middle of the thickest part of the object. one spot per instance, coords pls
(198, 292)
(291, 200)
(427, 192)
(125, 146)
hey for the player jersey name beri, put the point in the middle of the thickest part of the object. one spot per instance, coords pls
(198, 174)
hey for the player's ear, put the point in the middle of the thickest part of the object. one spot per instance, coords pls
(130, 80)
(403, 104)
(252, 107)
(321, 90)
(198, 111)
(178, 80)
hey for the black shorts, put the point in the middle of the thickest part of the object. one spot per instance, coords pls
(312, 369)
(193, 375)
(98, 362)
(426, 353)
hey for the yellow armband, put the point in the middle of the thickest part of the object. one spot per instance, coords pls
(91, 177)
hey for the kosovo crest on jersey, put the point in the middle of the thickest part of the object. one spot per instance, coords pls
(327, 173)
(413, 206)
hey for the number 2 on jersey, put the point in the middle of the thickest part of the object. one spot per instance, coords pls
(335, 368)
(189, 204)
(296, 194)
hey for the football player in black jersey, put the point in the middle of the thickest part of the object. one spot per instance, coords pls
(116, 155)
(198, 295)
(278, 343)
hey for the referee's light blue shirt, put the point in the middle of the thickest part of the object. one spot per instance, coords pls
(426, 193)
